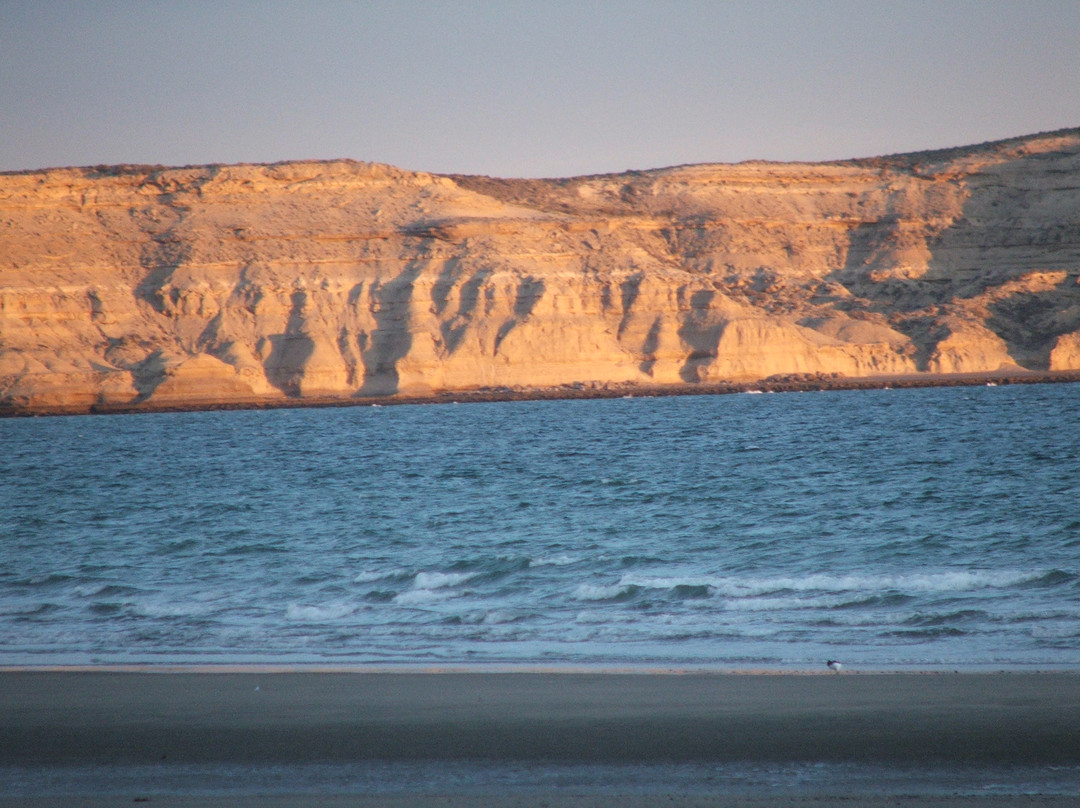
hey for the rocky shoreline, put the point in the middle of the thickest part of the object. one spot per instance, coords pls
(793, 383)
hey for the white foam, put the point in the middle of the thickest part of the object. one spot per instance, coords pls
(554, 561)
(413, 597)
(953, 581)
(593, 592)
(439, 580)
(317, 614)
(767, 604)
(595, 617)
(368, 577)
(666, 582)
(170, 609)
(89, 590)
(498, 617)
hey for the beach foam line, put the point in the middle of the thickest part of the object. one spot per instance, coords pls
(555, 668)
(93, 716)
(419, 668)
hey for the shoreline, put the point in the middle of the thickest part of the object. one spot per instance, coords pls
(510, 668)
(786, 383)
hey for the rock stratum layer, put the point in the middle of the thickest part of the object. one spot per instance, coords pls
(139, 286)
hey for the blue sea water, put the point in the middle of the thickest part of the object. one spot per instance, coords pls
(893, 529)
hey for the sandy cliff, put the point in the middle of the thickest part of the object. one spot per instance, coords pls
(314, 280)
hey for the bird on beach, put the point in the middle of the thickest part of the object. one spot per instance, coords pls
(834, 665)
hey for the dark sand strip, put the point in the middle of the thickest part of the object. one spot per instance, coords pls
(88, 717)
(542, 801)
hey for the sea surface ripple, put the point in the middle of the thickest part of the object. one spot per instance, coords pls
(918, 528)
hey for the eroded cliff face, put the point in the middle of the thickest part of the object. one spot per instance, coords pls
(316, 280)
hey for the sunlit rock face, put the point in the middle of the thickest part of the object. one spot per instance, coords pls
(256, 284)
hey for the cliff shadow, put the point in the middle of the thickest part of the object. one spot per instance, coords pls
(629, 290)
(529, 292)
(650, 346)
(168, 249)
(908, 305)
(1031, 322)
(453, 329)
(978, 262)
(160, 259)
(147, 375)
(391, 339)
(869, 270)
(997, 252)
(701, 332)
(290, 350)
(444, 284)
(151, 288)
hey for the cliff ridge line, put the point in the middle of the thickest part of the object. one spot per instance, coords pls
(322, 281)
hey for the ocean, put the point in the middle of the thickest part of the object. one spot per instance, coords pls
(891, 529)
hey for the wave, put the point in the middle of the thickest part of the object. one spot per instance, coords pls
(934, 620)
(494, 617)
(178, 546)
(691, 591)
(318, 614)
(413, 597)
(370, 576)
(380, 595)
(44, 580)
(107, 590)
(30, 610)
(1069, 631)
(429, 587)
(868, 601)
(619, 591)
(932, 632)
(441, 580)
(159, 610)
(253, 548)
(769, 561)
(1054, 577)
(778, 604)
(951, 581)
(554, 561)
(494, 569)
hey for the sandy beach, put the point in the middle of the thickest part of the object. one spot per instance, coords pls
(88, 718)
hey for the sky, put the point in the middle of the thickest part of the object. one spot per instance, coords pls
(529, 88)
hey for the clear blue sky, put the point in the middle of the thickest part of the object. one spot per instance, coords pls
(529, 88)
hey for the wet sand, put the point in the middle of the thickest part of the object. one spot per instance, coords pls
(256, 717)
(547, 801)
(88, 716)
